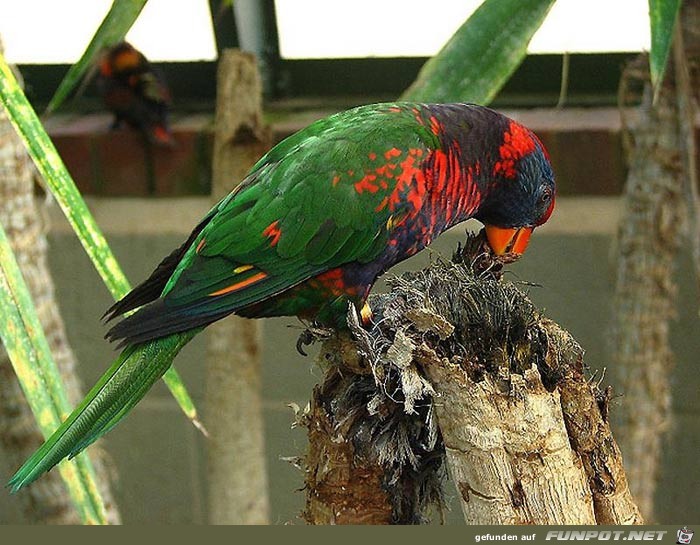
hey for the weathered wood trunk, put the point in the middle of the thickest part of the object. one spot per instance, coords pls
(460, 370)
(507, 448)
(660, 195)
(236, 455)
(343, 486)
(45, 501)
(367, 463)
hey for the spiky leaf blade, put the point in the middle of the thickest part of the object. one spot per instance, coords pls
(61, 185)
(480, 57)
(662, 19)
(114, 27)
(26, 345)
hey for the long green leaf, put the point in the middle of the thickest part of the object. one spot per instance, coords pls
(59, 181)
(483, 53)
(662, 18)
(29, 352)
(114, 26)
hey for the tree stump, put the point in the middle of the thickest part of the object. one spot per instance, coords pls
(460, 371)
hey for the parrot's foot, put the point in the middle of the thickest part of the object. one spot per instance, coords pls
(310, 335)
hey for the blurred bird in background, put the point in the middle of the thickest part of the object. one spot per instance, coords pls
(135, 92)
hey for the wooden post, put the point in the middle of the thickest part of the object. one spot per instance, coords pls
(236, 454)
(460, 369)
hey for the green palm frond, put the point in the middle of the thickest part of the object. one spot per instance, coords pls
(480, 57)
(119, 19)
(59, 181)
(26, 345)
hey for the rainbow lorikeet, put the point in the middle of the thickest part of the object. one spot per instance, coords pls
(135, 92)
(309, 230)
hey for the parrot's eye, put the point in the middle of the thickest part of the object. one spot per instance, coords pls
(546, 204)
(546, 196)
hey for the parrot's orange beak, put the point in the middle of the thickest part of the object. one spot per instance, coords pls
(508, 240)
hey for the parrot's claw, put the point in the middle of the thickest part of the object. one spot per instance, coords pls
(310, 335)
(305, 339)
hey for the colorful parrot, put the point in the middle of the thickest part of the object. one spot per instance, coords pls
(135, 92)
(309, 230)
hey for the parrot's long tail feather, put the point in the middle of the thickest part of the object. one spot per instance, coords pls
(123, 385)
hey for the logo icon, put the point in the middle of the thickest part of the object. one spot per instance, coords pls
(685, 535)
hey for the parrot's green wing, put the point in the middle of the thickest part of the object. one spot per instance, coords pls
(318, 200)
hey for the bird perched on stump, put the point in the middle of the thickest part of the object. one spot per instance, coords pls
(311, 227)
(135, 92)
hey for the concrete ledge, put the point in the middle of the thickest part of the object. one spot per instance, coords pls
(584, 144)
